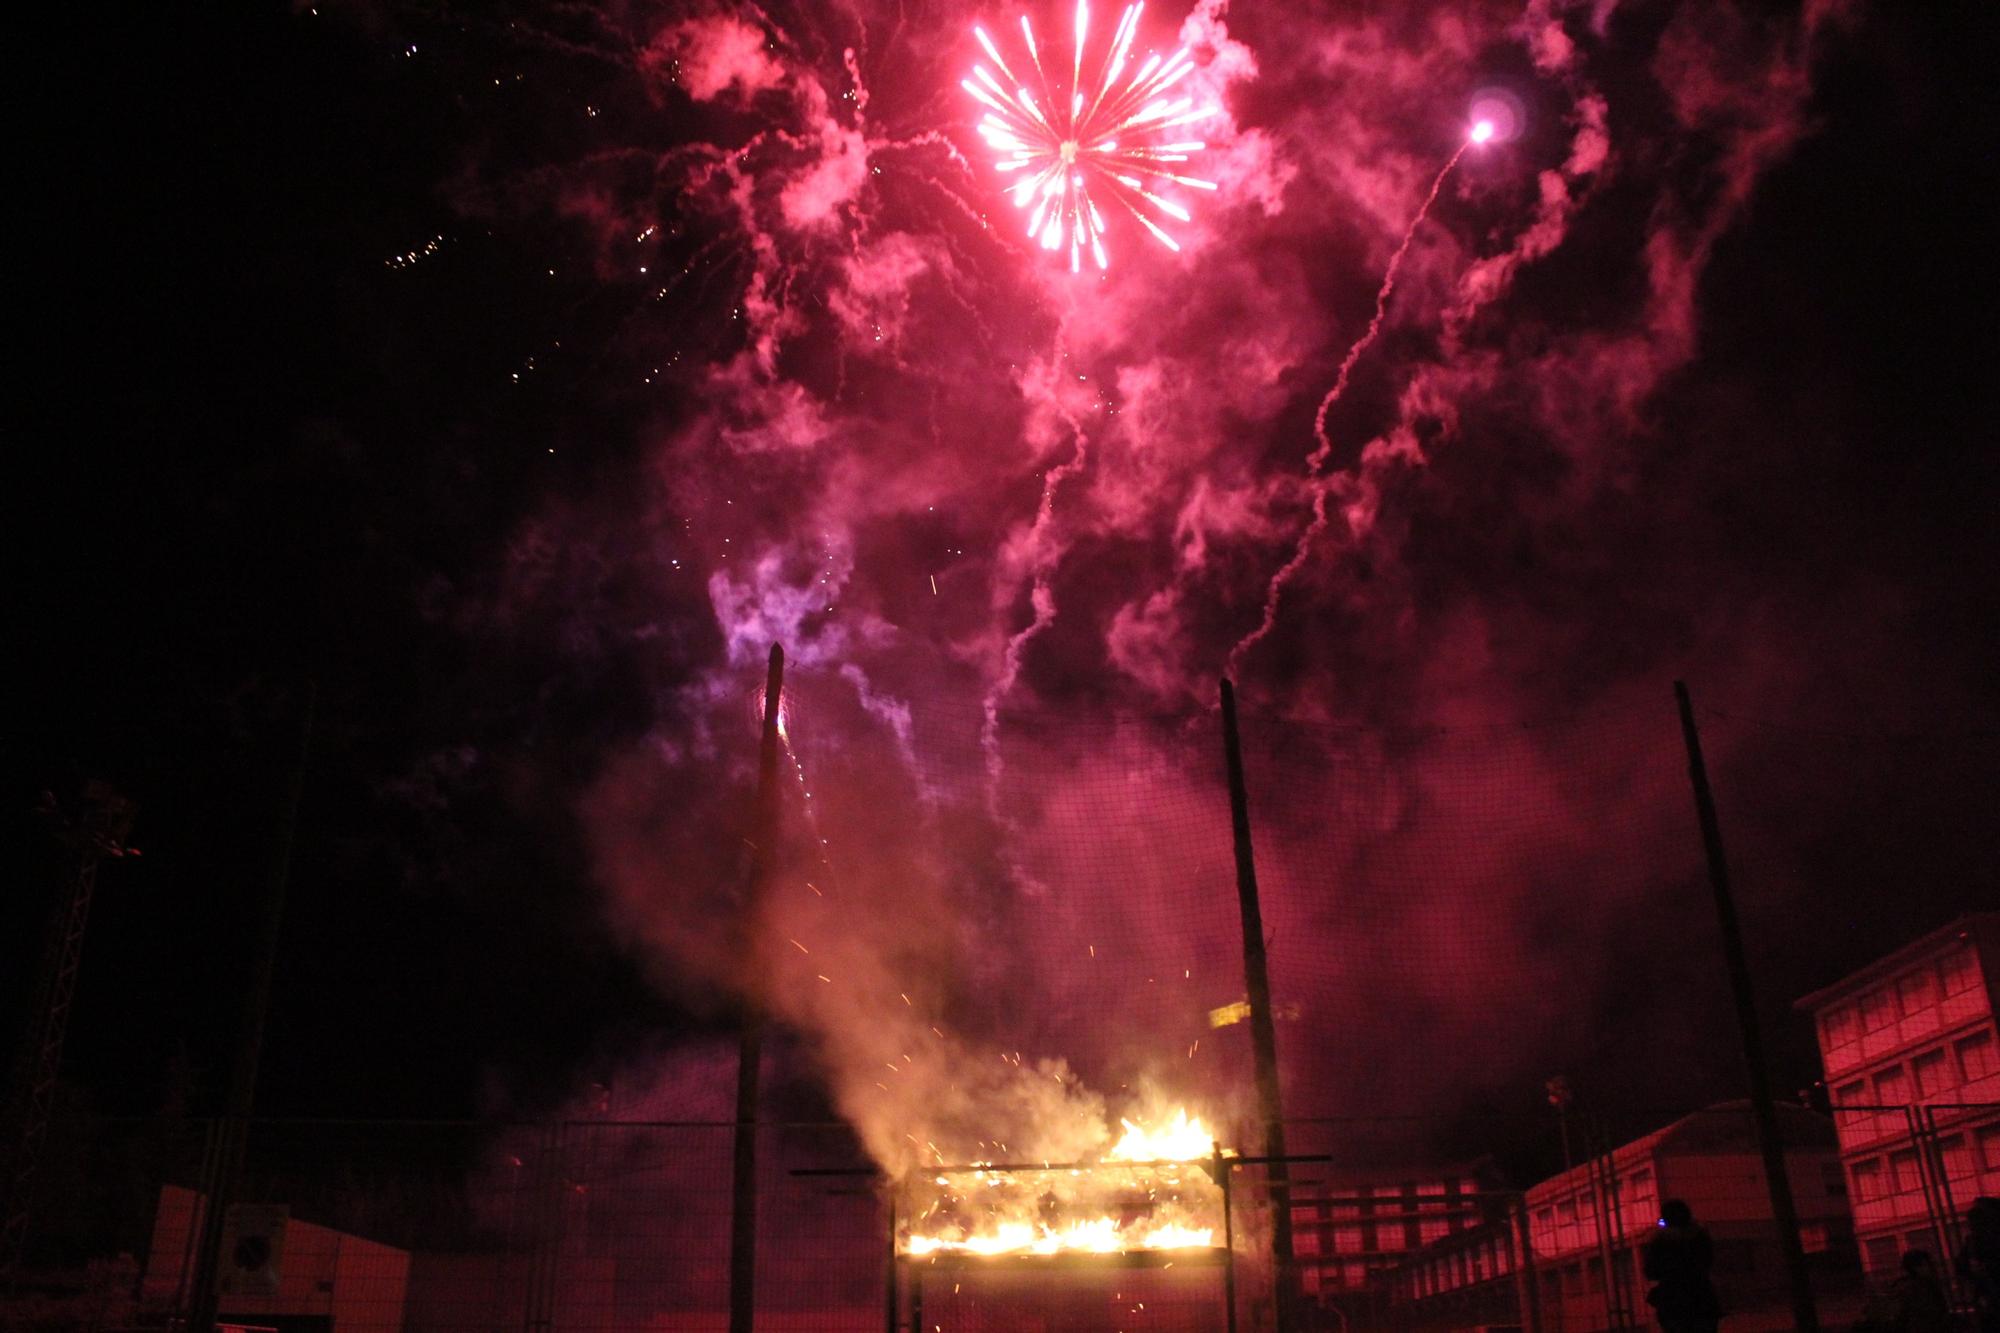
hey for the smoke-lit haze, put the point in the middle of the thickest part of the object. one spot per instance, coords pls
(963, 487)
(677, 330)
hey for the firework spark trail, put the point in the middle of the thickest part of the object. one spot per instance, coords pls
(1324, 449)
(1041, 597)
(1102, 141)
(1316, 461)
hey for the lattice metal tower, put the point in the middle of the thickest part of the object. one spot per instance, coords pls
(92, 827)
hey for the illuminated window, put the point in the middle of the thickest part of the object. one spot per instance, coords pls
(1957, 1154)
(1918, 991)
(1960, 971)
(1933, 1076)
(1976, 1059)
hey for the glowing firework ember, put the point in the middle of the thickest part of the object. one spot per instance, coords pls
(1112, 138)
(1150, 1191)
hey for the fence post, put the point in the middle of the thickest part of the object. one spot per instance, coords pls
(1263, 1036)
(1524, 1269)
(1784, 1213)
(750, 1053)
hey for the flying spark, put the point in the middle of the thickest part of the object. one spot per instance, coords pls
(1111, 140)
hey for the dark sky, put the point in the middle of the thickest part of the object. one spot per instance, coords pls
(1732, 422)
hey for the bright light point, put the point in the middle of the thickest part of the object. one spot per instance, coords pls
(1495, 115)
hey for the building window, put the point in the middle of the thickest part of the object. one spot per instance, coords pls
(1867, 1175)
(1881, 1254)
(1903, 1171)
(1892, 1087)
(1835, 1183)
(1988, 1137)
(1878, 1010)
(1961, 972)
(1932, 1075)
(1957, 1155)
(1839, 1026)
(1975, 1056)
(1919, 991)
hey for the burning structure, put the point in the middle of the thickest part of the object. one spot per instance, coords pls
(1155, 1190)
(1156, 1201)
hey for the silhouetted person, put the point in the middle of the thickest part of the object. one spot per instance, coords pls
(1917, 1297)
(1678, 1260)
(1979, 1260)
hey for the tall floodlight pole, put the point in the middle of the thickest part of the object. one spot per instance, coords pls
(1263, 1036)
(1805, 1316)
(234, 1131)
(750, 1054)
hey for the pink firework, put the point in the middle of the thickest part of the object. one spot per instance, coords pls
(1110, 142)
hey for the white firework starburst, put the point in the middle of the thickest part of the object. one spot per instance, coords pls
(1110, 140)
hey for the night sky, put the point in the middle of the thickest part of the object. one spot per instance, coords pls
(345, 354)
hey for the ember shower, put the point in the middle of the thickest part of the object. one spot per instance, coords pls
(969, 490)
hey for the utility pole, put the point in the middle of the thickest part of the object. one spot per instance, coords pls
(1805, 1316)
(750, 1054)
(234, 1129)
(94, 829)
(1263, 1036)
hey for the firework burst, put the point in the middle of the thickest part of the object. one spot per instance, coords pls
(1110, 142)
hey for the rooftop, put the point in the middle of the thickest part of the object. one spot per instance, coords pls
(1973, 925)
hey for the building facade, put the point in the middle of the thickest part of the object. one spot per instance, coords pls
(1587, 1229)
(1912, 1062)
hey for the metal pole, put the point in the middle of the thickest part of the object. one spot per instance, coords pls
(889, 1281)
(249, 1053)
(1784, 1212)
(1222, 1171)
(1263, 1037)
(1931, 1169)
(750, 1054)
(1524, 1269)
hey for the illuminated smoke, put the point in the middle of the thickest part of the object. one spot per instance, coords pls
(1480, 132)
(879, 428)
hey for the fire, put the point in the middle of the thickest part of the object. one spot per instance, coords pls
(1149, 1191)
(1182, 1139)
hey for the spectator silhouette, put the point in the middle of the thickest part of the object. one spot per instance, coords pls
(1917, 1297)
(1677, 1263)
(1979, 1260)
